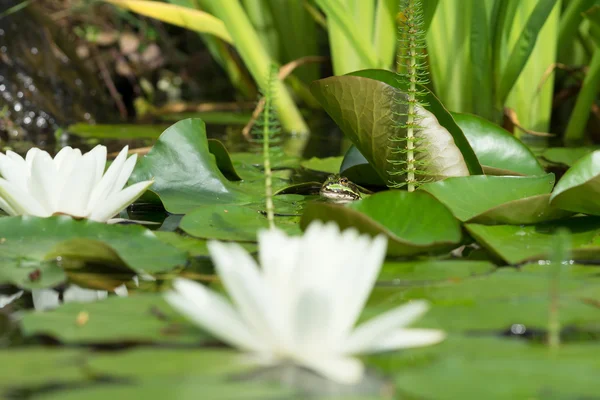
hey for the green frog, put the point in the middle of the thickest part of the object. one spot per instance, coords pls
(339, 189)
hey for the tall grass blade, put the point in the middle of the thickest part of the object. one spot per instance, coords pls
(184, 17)
(384, 35)
(523, 48)
(574, 135)
(481, 62)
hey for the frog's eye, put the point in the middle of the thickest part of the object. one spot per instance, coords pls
(344, 180)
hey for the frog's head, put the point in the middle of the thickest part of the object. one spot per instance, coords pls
(340, 189)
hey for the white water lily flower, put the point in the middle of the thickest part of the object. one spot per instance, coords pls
(304, 302)
(72, 183)
(48, 299)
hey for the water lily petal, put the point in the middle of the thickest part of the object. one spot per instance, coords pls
(21, 202)
(7, 209)
(345, 370)
(44, 299)
(62, 155)
(78, 187)
(13, 169)
(312, 320)
(245, 285)
(106, 184)
(7, 299)
(379, 327)
(406, 338)
(124, 175)
(98, 153)
(118, 202)
(356, 283)
(78, 294)
(212, 313)
(43, 184)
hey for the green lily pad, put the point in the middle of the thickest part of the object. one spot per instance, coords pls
(362, 105)
(356, 168)
(579, 188)
(30, 246)
(122, 131)
(426, 272)
(330, 165)
(567, 155)
(517, 244)
(496, 149)
(185, 173)
(28, 367)
(530, 210)
(232, 222)
(193, 246)
(469, 196)
(504, 369)
(223, 160)
(413, 222)
(144, 318)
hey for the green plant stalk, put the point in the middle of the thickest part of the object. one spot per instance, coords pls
(267, 160)
(569, 22)
(410, 133)
(257, 60)
(574, 135)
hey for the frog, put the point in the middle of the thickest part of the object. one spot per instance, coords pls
(339, 189)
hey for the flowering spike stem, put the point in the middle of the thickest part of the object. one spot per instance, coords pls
(266, 132)
(266, 155)
(412, 71)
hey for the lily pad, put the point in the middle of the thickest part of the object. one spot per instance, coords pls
(504, 369)
(362, 105)
(517, 244)
(143, 318)
(357, 168)
(223, 160)
(497, 150)
(429, 271)
(120, 132)
(579, 188)
(30, 246)
(184, 171)
(232, 222)
(50, 365)
(413, 222)
(467, 197)
(567, 155)
(330, 165)
(193, 246)
(530, 210)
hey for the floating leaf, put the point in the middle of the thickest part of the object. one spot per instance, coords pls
(29, 246)
(498, 151)
(231, 223)
(516, 244)
(330, 165)
(413, 222)
(362, 103)
(356, 168)
(469, 196)
(143, 318)
(579, 188)
(185, 173)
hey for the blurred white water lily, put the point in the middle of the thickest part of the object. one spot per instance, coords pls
(48, 299)
(72, 183)
(303, 304)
